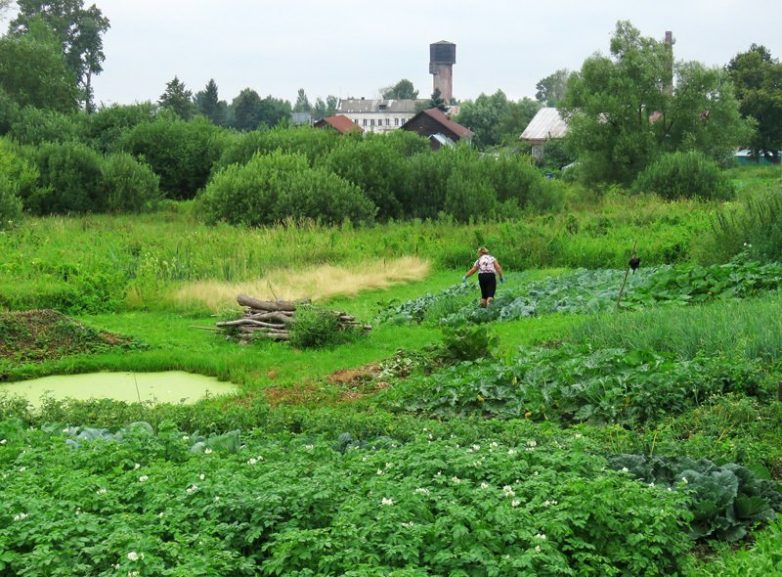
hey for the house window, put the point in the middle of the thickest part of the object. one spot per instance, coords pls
(388, 122)
(356, 121)
(396, 121)
(365, 122)
(372, 122)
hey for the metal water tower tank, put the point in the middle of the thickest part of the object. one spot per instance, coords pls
(442, 57)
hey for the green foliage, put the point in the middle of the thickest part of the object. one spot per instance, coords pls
(35, 126)
(684, 175)
(314, 327)
(625, 110)
(272, 188)
(376, 166)
(761, 558)
(495, 120)
(292, 505)
(467, 343)
(634, 388)
(181, 153)
(105, 128)
(10, 203)
(402, 90)
(128, 185)
(745, 329)
(756, 76)
(33, 72)
(70, 180)
(178, 99)
(726, 501)
(752, 230)
(312, 143)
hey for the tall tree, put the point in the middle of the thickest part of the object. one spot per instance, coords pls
(323, 109)
(758, 81)
(551, 89)
(437, 101)
(302, 102)
(33, 71)
(402, 90)
(208, 103)
(622, 112)
(79, 30)
(246, 109)
(178, 99)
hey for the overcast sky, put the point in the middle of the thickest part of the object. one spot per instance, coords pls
(353, 48)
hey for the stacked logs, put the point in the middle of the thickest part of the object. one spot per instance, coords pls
(273, 320)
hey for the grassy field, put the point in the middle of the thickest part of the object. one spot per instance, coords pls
(516, 446)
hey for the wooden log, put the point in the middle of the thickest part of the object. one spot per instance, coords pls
(279, 316)
(254, 303)
(250, 323)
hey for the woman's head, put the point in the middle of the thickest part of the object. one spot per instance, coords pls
(482, 251)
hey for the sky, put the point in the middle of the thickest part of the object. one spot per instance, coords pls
(355, 48)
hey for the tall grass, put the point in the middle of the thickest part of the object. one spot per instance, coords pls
(101, 262)
(749, 329)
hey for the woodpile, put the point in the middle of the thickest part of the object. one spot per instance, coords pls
(273, 320)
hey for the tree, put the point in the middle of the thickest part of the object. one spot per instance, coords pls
(80, 33)
(402, 90)
(437, 101)
(33, 71)
(324, 109)
(302, 102)
(246, 108)
(208, 103)
(622, 112)
(496, 120)
(757, 78)
(551, 89)
(178, 99)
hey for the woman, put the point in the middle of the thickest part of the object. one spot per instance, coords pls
(487, 268)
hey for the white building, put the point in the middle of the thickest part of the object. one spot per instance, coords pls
(379, 115)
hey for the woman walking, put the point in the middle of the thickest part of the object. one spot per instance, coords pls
(487, 268)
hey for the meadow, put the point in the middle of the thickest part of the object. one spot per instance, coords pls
(565, 431)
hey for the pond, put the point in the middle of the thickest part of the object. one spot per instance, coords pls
(162, 387)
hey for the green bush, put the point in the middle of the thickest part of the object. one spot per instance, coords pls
(181, 153)
(754, 229)
(18, 179)
(312, 143)
(376, 166)
(70, 181)
(277, 187)
(467, 343)
(314, 328)
(684, 175)
(35, 126)
(128, 185)
(10, 203)
(104, 129)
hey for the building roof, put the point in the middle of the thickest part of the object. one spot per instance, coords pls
(339, 123)
(437, 115)
(546, 124)
(361, 105)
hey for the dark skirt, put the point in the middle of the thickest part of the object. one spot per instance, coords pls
(488, 284)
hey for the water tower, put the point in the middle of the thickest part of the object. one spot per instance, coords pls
(442, 57)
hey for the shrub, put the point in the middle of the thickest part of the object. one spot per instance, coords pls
(10, 203)
(754, 229)
(71, 180)
(467, 343)
(312, 143)
(129, 185)
(105, 128)
(181, 153)
(376, 166)
(315, 328)
(684, 175)
(35, 126)
(18, 180)
(276, 187)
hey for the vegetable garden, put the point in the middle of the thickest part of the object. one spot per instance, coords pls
(564, 431)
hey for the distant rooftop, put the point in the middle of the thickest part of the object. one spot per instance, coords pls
(546, 124)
